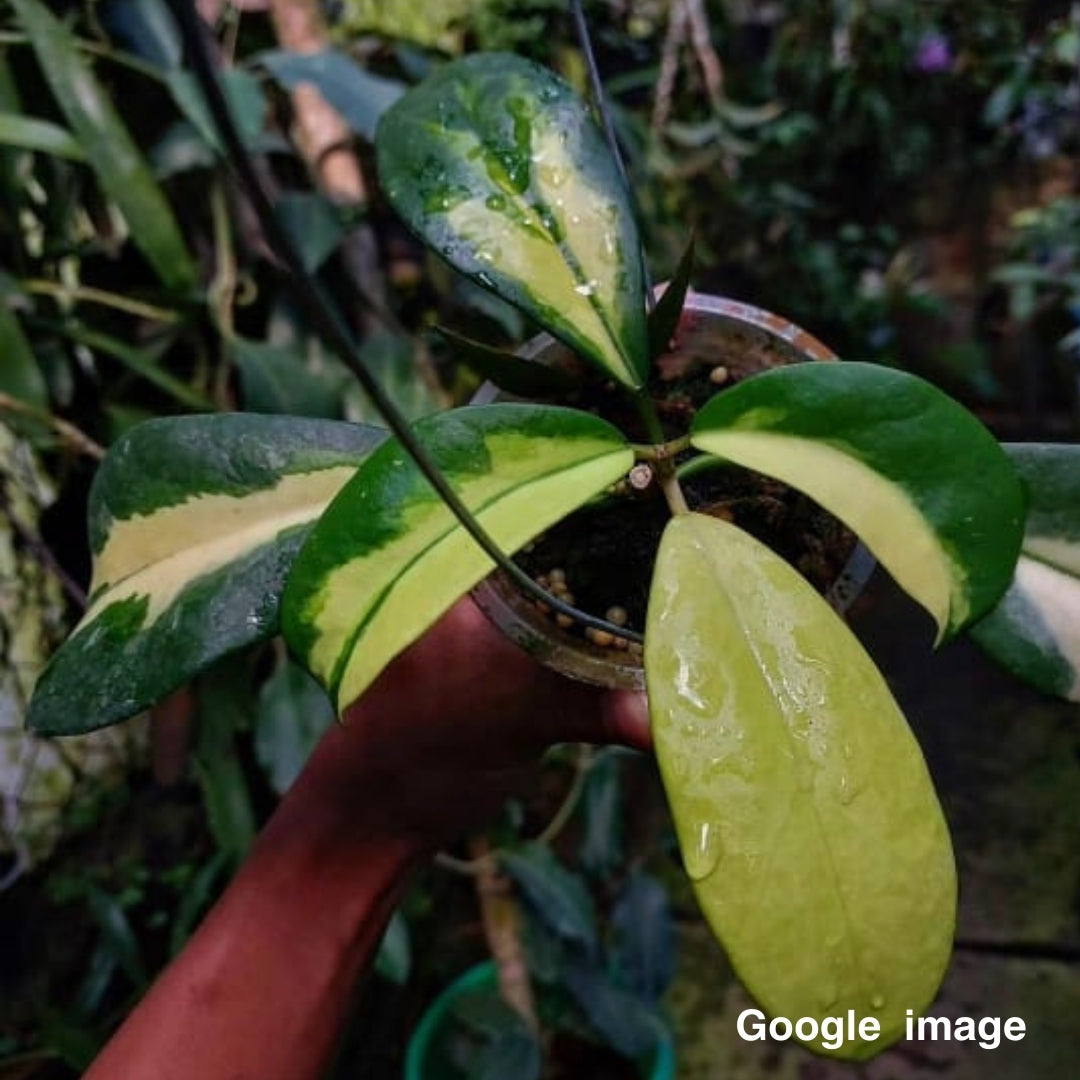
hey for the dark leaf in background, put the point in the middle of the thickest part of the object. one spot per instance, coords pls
(99, 974)
(294, 712)
(664, 317)
(243, 93)
(277, 379)
(181, 149)
(75, 1042)
(509, 372)
(391, 358)
(120, 169)
(20, 376)
(145, 28)
(26, 133)
(226, 707)
(645, 937)
(313, 224)
(117, 935)
(359, 96)
(543, 953)
(629, 1025)
(601, 807)
(196, 899)
(393, 961)
(559, 897)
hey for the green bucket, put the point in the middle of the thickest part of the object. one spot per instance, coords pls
(420, 1064)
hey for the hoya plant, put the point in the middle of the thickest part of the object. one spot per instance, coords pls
(806, 817)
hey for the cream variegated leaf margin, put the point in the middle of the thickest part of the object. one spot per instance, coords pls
(922, 482)
(496, 163)
(194, 522)
(1035, 630)
(805, 814)
(387, 558)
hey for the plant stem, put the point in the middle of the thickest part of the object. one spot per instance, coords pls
(76, 439)
(662, 462)
(93, 48)
(327, 322)
(502, 929)
(600, 100)
(662, 451)
(551, 831)
(673, 492)
(88, 294)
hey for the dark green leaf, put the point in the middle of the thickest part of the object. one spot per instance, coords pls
(143, 361)
(120, 168)
(393, 961)
(543, 952)
(508, 371)
(357, 94)
(244, 95)
(20, 376)
(559, 898)
(196, 899)
(117, 935)
(393, 360)
(625, 1022)
(601, 807)
(664, 317)
(294, 713)
(27, 133)
(313, 225)
(75, 1042)
(278, 379)
(645, 937)
(96, 981)
(145, 28)
(181, 149)
(226, 707)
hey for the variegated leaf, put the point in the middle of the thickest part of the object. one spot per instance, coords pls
(806, 817)
(194, 522)
(1035, 630)
(388, 558)
(496, 163)
(921, 481)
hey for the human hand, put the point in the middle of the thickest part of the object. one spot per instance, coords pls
(447, 731)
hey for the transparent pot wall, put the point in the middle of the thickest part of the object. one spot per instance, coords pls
(745, 340)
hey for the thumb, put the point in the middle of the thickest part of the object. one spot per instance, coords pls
(625, 719)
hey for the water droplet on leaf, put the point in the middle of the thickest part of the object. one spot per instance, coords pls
(702, 854)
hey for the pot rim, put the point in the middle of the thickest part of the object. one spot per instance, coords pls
(518, 618)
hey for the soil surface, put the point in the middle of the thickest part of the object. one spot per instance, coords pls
(606, 552)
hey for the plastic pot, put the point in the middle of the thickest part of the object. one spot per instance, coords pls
(423, 1060)
(744, 339)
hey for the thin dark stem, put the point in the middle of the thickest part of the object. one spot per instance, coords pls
(577, 12)
(327, 322)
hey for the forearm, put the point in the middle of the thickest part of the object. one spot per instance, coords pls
(262, 989)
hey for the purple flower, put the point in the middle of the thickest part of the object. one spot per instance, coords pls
(933, 54)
